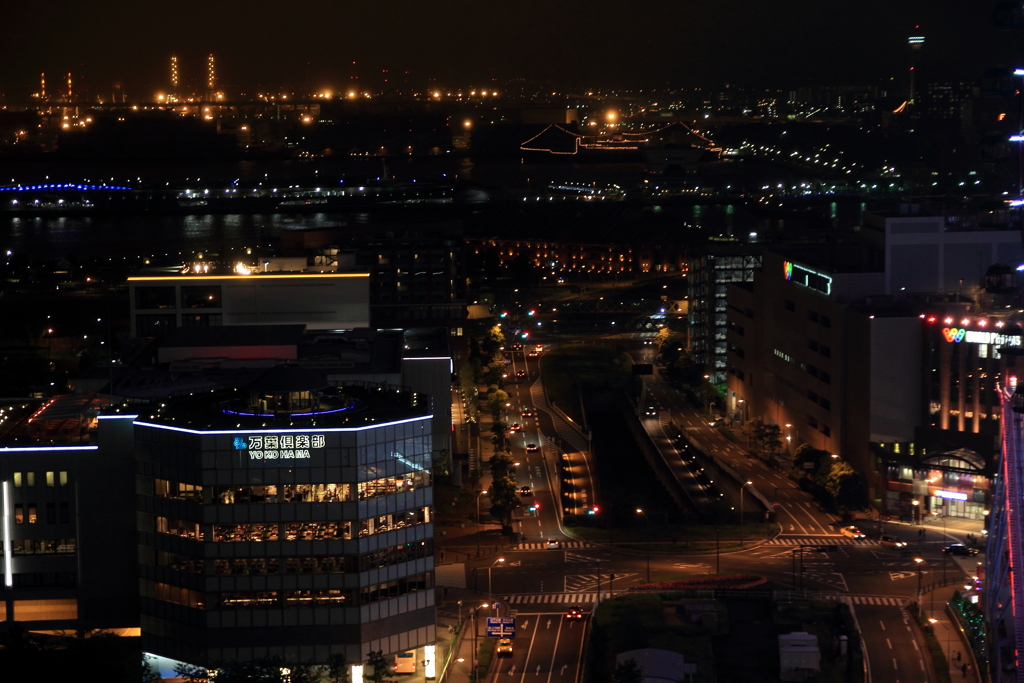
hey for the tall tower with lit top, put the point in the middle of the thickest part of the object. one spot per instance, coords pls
(916, 42)
(174, 75)
(211, 79)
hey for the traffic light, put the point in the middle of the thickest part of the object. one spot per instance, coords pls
(593, 511)
(531, 312)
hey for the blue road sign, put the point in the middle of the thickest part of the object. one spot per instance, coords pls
(501, 627)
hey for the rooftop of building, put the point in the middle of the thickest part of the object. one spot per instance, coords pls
(234, 335)
(204, 357)
(61, 419)
(351, 406)
(426, 342)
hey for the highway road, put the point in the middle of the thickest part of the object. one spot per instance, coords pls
(542, 583)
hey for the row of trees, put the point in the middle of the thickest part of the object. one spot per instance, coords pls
(836, 476)
(767, 436)
(681, 368)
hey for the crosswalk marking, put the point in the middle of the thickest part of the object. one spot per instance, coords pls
(542, 546)
(551, 598)
(877, 600)
(841, 540)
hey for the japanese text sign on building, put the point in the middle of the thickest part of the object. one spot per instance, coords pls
(279, 446)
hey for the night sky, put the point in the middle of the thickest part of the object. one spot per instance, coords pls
(769, 43)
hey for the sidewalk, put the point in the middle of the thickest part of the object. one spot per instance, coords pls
(953, 642)
(448, 614)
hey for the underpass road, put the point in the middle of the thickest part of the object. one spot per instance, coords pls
(893, 650)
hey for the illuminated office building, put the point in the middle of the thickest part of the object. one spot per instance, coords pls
(284, 518)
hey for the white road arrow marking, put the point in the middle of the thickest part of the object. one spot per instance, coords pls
(549, 623)
(562, 672)
(538, 670)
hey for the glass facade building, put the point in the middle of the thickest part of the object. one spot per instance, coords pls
(294, 535)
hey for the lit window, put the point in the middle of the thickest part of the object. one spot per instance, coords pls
(17, 480)
(50, 479)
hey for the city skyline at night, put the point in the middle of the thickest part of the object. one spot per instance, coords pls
(326, 47)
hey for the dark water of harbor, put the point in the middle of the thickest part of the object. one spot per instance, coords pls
(128, 236)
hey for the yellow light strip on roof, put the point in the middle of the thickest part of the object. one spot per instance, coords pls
(254, 276)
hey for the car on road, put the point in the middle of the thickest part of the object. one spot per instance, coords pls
(959, 549)
(531, 447)
(529, 412)
(533, 354)
(517, 347)
(650, 411)
(648, 342)
(525, 491)
(554, 544)
(504, 647)
(515, 427)
(574, 613)
(717, 422)
(852, 532)
(891, 542)
(520, 373)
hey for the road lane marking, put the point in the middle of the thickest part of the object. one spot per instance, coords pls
(882, 624)
(554, 652)
(889, 643)
(894, 664)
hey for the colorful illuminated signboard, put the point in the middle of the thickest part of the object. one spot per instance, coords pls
(279, 446)
(959, 334)
(811, 279)
(951, 495)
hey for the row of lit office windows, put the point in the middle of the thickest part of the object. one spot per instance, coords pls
(29, 513)
(295, 531)
(244, 566)
(41, 546)
(29, 479)
(294, 493)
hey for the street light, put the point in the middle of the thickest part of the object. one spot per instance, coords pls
(918, 561)
(474, 660)
(478, 495)
(648, 520)
(917, 511)
(490, 597)
(741, 511)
